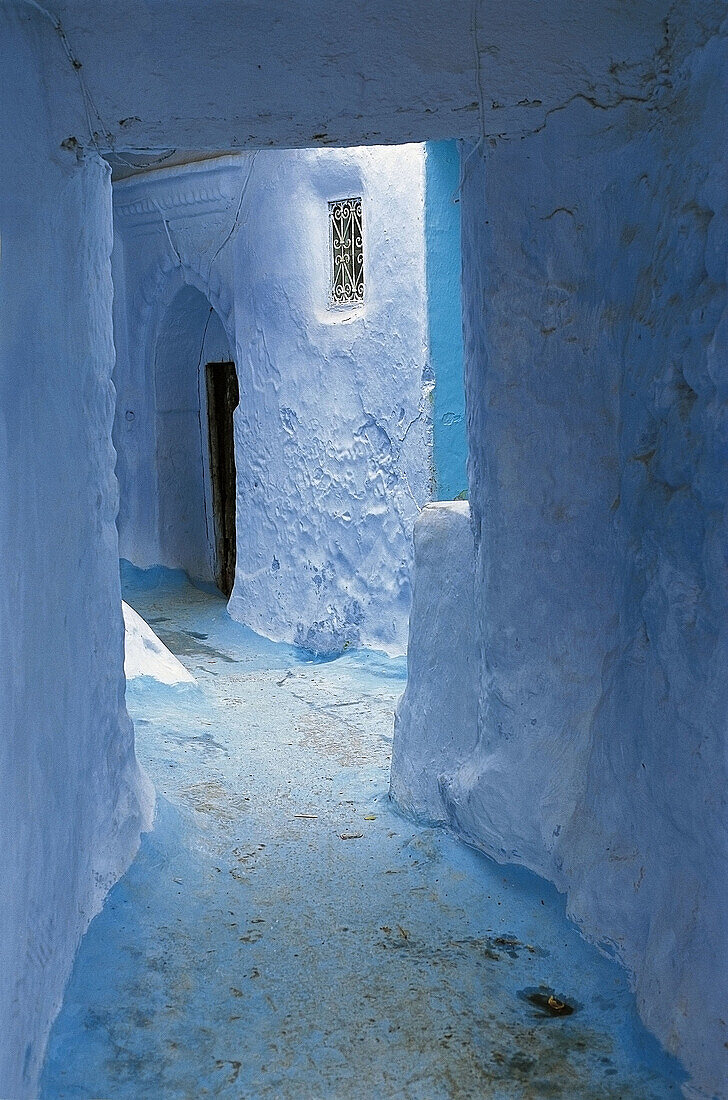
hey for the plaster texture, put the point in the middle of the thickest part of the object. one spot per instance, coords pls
(245, 74)
(594, 248)
(72, 800)
(436, 722)
(595, 291)
(283, 933)
(333, 429)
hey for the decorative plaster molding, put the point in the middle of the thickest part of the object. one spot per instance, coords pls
(144, 210)
(201, 188)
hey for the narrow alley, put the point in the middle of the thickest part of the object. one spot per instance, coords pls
(284, 933)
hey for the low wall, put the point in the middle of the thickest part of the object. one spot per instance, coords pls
(436, 723)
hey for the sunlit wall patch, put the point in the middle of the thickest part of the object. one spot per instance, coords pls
(347, 252)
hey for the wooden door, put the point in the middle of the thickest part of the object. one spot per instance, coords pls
(222, 400)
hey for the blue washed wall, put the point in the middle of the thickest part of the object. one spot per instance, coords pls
(72, 800)
(333, 450)
(442, 231)
(596, 333)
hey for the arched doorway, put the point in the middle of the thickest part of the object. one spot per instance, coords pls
(196, 392)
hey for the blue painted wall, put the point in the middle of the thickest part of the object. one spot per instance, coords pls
(442, 233)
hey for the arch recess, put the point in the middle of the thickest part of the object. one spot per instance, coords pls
(189, 335)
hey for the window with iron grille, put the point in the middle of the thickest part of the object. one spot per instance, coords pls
(347, 252)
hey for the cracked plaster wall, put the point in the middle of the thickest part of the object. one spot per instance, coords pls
(333, 430)
(596, 314)
(245, 74)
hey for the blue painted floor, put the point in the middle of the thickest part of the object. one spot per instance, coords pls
(283, 933)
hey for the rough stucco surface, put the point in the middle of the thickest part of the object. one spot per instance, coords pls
(648, 305)
(436, 722)
(595, 290)
(333, 430)
(655, 800)
(246, 73)
(72, 802)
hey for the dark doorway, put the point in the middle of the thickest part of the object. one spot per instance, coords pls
(222, 400)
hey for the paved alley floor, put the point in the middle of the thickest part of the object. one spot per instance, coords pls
(284, 933)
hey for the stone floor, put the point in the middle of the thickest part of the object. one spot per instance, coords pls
(284, 933)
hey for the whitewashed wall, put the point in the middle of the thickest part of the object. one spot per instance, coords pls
(72, 800)
(333, 431)
(595, 253)
(604, 135)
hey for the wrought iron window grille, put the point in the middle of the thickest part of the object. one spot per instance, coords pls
(347, 252)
